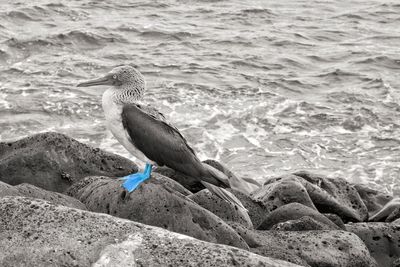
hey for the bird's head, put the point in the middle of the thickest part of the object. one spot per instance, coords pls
(122, 77)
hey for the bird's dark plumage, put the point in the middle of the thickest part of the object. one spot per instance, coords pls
(163, 144)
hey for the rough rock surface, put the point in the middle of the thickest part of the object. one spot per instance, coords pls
(280, 191)
(334, 195)
(53, 161)
(295, 211)
(389, 212)
(8, 190)
(257, 211)
(156, 204)
(382, 240)
(316, 248)
(336, 220)
(304, 223)
(37, 233)
(326, 195)
(394, 215)
(219, 207)
(32, 191)
(373, 199)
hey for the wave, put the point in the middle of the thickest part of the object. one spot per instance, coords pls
(382, 61)
(69, 38)
(179, 35)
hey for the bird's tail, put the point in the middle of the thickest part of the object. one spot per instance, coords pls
(215, 177)
(224, 194)
(231, 199)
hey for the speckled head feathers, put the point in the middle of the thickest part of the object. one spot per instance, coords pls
(128, 83)
(127, 75)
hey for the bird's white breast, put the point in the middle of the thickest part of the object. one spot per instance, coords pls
(113, 114)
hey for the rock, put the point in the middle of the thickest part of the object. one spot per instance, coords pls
(190, 183)
(295, 211)
(280, 191)
(387, 211)
(53, 161)
(279, 253)
(335, 219)
(32, 191)
(396, 222)
(334, 196)
(155, 204)
(245, 233)
(394, 215)
(8, 190)
(38, 233)
(315, 248)
(219, 207)
(244, 186)
(373, 199)
(324, 194)
(304, 223)
(257, 211)
(382, 240)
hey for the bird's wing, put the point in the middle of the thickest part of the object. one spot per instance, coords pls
(159, 141)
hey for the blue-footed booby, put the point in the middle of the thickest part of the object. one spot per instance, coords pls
(148, 136)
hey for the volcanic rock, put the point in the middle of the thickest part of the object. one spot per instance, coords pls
(316, 248)
(53, 161)
(295, 211)
(155, 203)
(382, 240)
(32, 191)
(220, 207)
(38, 233)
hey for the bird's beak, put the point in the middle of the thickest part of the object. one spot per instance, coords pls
(106, 80)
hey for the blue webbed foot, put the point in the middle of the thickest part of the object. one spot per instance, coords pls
(134, 180)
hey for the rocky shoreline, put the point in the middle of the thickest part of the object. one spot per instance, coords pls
(61, 205)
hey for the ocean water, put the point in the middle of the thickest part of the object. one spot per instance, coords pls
(267, 87)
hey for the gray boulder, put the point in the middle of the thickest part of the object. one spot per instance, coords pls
(382, 240)
(257, 211)
(315, 248)
(324, 194)
(334, 195)
(53, 161)
(304, 223)
(32, 191)
(389, 212)
(220, 207)
(373, 199)
(295, 211)
(37, 233)
(155, 203)
(279, 191)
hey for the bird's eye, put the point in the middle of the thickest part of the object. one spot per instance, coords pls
(114, 76)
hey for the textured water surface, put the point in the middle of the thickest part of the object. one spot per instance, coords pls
(268, 87)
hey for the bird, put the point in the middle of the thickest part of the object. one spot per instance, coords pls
(148, 136)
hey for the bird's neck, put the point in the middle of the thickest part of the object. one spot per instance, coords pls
(126, 94)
